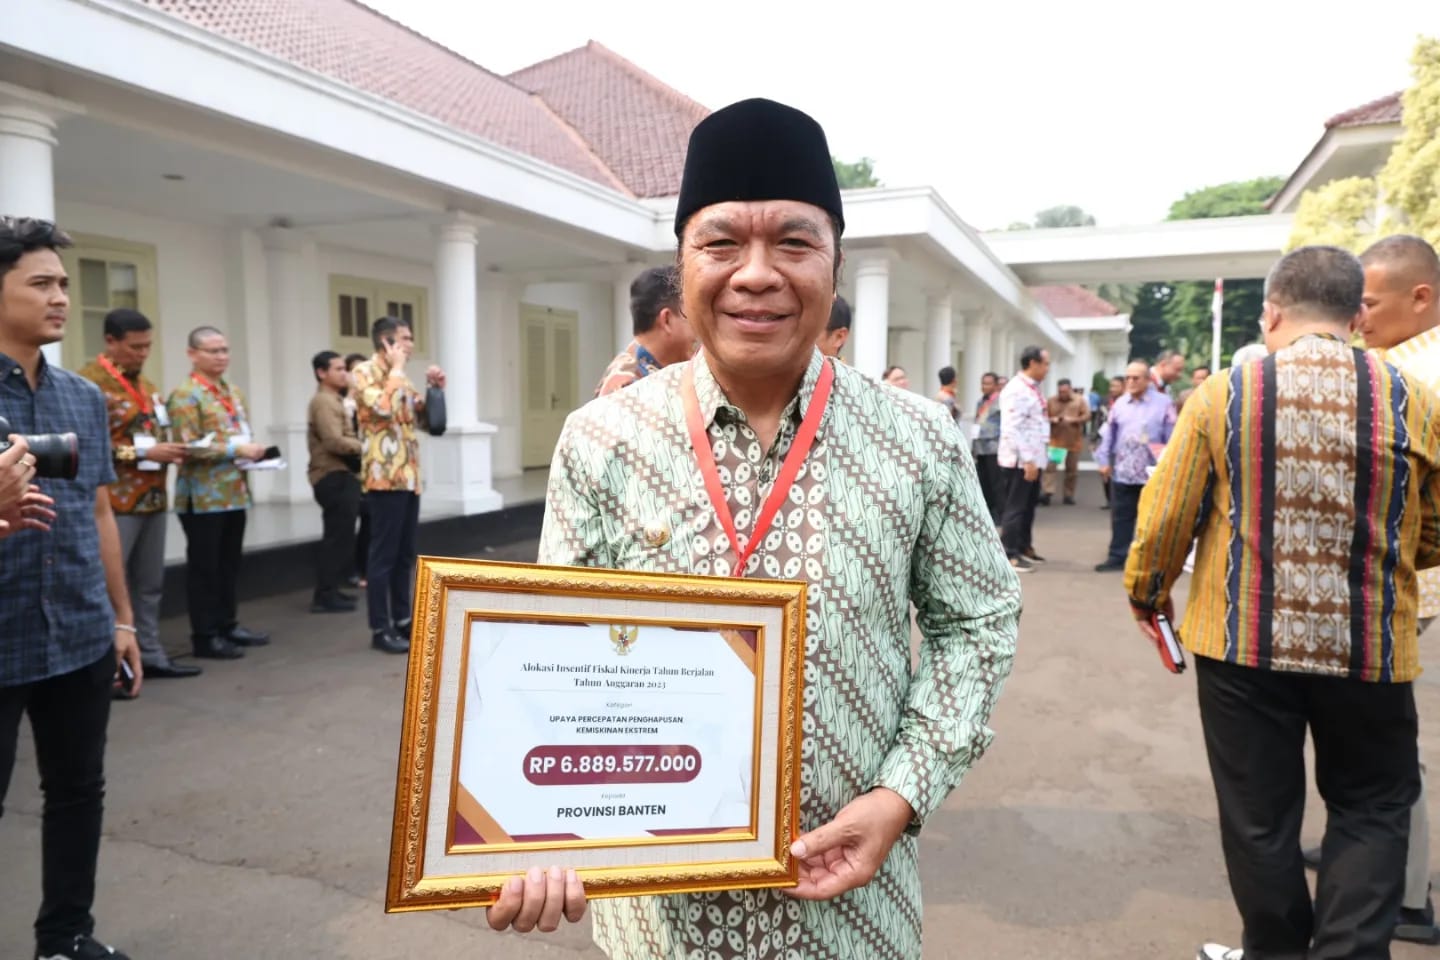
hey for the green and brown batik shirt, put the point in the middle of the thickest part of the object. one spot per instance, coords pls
(885, 513)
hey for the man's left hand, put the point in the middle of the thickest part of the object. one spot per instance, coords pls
(848, 851)
(435, 377)
(127, 650)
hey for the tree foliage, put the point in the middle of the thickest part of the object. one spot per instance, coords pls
(1405, 195)
(1185, 320)
(1065, 215)
(856, 175)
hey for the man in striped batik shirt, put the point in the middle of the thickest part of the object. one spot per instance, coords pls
(1312, 478)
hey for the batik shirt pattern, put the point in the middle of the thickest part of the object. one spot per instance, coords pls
(208, 481)
(387, 409)
(631, 364)
(1419, 358)
(885, 512)
(134, 491)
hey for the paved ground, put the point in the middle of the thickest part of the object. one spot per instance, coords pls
(249, 810)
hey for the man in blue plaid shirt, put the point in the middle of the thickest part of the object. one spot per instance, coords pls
(65, 620)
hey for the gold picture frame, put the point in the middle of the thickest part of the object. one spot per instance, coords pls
(451, 850)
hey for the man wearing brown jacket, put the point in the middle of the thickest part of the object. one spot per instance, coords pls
(334, 473)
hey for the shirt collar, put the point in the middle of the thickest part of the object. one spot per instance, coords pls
(9, 367)
(713, 400)
(1421, 343)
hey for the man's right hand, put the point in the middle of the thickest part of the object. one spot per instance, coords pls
(167, 453)
(395, 355)
(1032, 473)
(250, 451)
(538, 900)
(17, 468)
(1105, 472)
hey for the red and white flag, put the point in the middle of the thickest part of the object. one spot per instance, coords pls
(1217, 306)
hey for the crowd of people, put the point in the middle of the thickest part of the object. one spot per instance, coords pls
(1303, 484)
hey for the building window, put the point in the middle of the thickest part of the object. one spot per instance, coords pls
(356, 303)
(108, 274)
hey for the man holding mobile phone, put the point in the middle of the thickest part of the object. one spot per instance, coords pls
(1302, 611)
(388, 409)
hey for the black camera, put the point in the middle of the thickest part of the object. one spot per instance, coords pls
(57, 455)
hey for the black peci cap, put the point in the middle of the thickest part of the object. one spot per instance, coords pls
(758, 150)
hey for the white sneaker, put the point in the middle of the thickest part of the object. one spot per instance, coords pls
(1216, 951)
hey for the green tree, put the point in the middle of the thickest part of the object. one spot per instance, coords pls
(1187, 308)
(856, 175)
(1149, 327)
(1066, 215)
(1405, 195)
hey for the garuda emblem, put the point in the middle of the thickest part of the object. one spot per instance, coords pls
(623, 638)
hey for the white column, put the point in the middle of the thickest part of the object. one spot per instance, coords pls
(977, 360)
(458, 465)
(288, 379)
(28, 120)
(937, 345)
(1000, 359)
(1083, 366)
(625, 275)
(870, 329)
(499, 368)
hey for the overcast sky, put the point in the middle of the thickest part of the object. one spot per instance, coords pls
(1119, 107)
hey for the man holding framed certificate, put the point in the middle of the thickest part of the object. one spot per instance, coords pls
(761, 459)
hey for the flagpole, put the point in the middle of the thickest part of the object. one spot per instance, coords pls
(1217, 305)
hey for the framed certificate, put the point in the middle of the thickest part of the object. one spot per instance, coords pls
(641, 728)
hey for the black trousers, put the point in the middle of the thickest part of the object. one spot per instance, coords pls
(1018, 519)
(1367, 771)
(214, 544)
(338, 494)
(68, 717)
(1124, 506)
(992, 483)
(394, 515)
(362, 539)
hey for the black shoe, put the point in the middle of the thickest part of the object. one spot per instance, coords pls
(1044, 499)
(1021, 565)
(83, 948)
(1069, 501)
(347, 597)
(1417, 926)
(216, 648)
(353, 580)
(1311, 858)
(1108, 566)
(1032, 556)
(387, 642)
(331, 603)
(171, 671)
(242, 637)
(405, 631)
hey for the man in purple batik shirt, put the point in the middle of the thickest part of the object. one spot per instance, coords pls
(1136, 431)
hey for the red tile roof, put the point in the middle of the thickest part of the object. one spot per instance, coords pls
(635, 124)
(1384, 110)
(589, 111)
(1072, 301)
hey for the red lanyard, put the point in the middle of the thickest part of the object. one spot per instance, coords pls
(224, 398)
(139, 398)
(985, 406)
(789, 470)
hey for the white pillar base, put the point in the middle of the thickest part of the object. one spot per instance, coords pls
(456, 469)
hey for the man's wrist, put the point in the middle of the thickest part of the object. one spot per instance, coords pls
(126, 628)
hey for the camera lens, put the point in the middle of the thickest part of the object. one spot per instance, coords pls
(57, 455)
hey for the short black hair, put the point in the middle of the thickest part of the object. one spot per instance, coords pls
(22, 235)
(1323, 280)
(947, 376)
(385, 326)
(1204, 367)
(654, 290)
(1064, 382)
(354, 358)
(124, 320)
(991, 374)
(1166, 356)
(1031, 354)
(322, 360)
(840, 315)
(1117, 379)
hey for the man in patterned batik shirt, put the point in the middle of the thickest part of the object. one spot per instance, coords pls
(884, 513)
(388, 409)
(1402, 322)
(1311, 478)
(212, 495)
(139, 424)
(662, 334)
